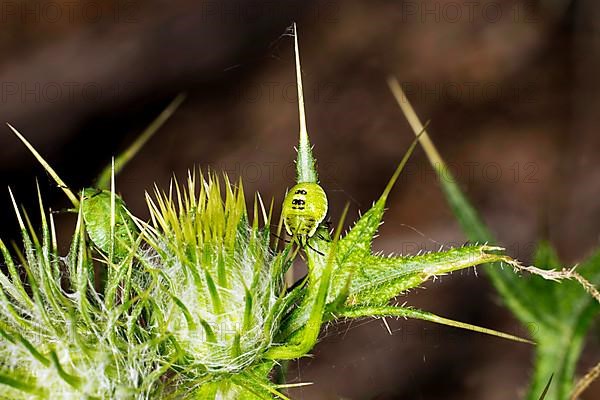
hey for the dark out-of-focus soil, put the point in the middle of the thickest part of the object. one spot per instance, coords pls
(511, 89)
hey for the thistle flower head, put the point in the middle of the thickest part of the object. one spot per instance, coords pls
(61, 338)
(218, 282)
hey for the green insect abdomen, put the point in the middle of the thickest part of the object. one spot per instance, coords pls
(304, 208)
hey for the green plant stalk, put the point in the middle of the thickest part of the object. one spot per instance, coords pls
(558, 345)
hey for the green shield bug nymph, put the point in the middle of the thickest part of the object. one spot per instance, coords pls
(304, 208)
(305, 205)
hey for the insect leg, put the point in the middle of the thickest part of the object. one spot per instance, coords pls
(280, 238)
(320, 236)
(315, 250)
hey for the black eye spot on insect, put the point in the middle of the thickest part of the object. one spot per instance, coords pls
(300, 191)
(298, 202)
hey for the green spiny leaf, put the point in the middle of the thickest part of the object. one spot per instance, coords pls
(376, 280)
(558, 314)
(562, 314)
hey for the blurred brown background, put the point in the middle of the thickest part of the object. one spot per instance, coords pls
(510, 87)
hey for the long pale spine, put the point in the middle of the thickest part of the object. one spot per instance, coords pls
(305, 164)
